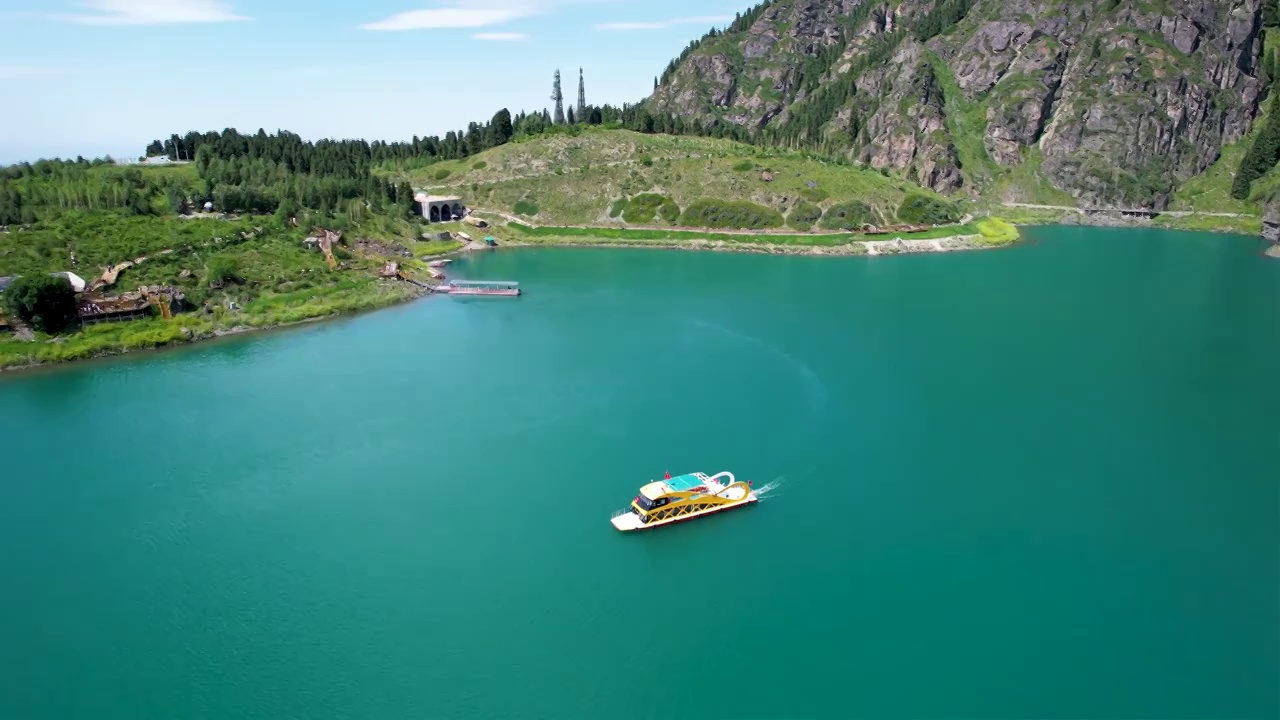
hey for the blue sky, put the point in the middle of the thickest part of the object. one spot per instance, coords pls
(96, 77)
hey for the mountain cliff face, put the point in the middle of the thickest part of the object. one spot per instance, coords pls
(1115, 101)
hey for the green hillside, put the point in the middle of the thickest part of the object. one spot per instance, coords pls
(588, 177)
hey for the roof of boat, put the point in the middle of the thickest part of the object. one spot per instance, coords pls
(679, 483)
(655, 490)
(688, 481)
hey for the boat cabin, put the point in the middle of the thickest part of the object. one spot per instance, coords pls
(657, 495)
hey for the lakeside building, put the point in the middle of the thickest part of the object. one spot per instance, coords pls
(439, 208)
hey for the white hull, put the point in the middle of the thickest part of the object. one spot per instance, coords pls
(630, 521)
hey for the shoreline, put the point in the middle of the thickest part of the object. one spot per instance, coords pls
(857, 248)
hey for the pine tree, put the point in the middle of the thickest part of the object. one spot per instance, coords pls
(1262, 156)
(404, 197)
(655, 83)
(1270, 13)
(1267, 72)
(558, 98)
(502, 127)
(582, 97)
(573, 120)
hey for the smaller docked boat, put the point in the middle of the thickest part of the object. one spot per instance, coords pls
(685, 497)
(502, 288)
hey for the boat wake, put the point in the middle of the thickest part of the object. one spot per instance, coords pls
(769, 490)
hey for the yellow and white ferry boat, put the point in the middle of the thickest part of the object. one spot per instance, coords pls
(685, 497)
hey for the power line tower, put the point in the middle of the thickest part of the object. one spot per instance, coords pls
(582, 98)
(558, 97)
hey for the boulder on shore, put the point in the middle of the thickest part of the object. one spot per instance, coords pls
(1271, 221)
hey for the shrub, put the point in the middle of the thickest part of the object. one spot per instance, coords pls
(641, 208)
(814, 194)
(803, 215)
(925, 210)
(46, 302)
(480, 165)
(442, 173)
(738, 214)
(996, 231)
(222, 269)
(646, 161)
(616, 208)
(744, 166)
(669, 210)
(849, 215)
(528, 208)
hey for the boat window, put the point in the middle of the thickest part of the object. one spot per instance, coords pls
(644, 502)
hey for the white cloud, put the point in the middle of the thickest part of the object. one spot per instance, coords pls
(462, 14)
(501, 36)
(661, 24)
(152, 12)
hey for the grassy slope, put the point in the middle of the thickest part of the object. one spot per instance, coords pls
(573, 180)
(282, 282)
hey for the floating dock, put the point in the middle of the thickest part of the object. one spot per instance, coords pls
(500, 288)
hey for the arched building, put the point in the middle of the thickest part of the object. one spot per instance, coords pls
(439, 208)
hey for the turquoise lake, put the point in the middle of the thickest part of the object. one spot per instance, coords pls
(1035, 482)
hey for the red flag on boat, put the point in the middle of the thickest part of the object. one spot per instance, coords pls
(666, 476)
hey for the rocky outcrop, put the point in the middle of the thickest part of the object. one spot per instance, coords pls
(1123, 100)
(1271, 222)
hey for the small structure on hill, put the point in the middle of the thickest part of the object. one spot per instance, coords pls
(439, 208)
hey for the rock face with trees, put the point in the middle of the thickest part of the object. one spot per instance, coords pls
(1115, 101)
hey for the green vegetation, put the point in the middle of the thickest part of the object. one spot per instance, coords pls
(816, 195)
(49, 188)
(480, 165)
(738, 214)
(528, 208)
(100, 340)
(592, 235)
(442, 173)
(1210, 191)
(617, 207)
(996, 231)
(250, 271)
(803, 215)
(849, 215)
(744, 166)
(966, 123)
(45, 302)
(642, 208)
(1262, 154)
(925, 210)
(1251, 225)
(598, 166)
(644, 235)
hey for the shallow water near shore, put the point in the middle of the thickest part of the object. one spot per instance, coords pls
(1038, 482)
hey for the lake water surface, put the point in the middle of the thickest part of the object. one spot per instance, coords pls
(1037, 482)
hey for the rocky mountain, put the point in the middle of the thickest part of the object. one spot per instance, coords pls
(1114, 101)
